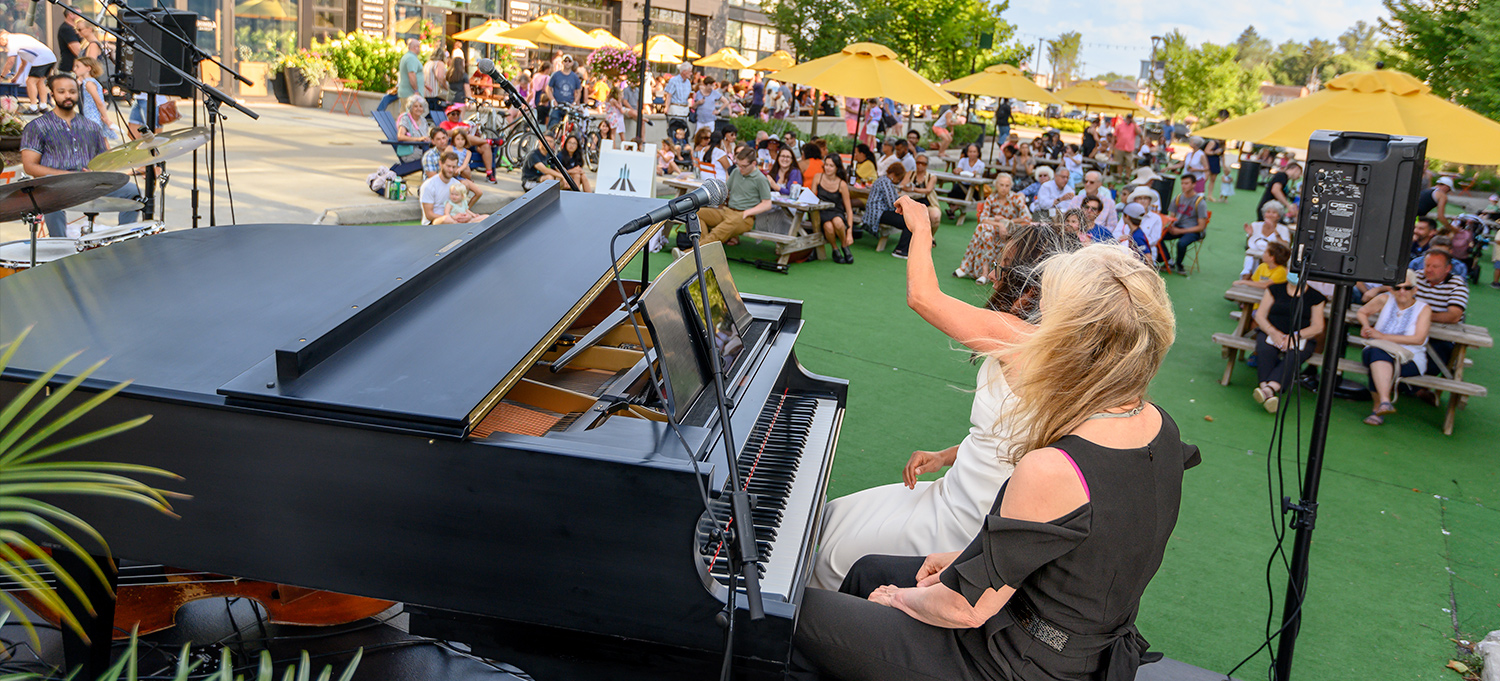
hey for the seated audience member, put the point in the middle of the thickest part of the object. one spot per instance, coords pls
(1149, 232)
(1022, 166)
(920, 185)
(437, 191)
(1073, 537)
(749, 196)
(763, 154)
(457, 208)
(904, 153)
(454, 122)
(666, 159)
(537, 168)
(1145, 191)
(1093, 185)
(1272, 268)
(994, 218)
(811, 164)
(914, 140)
(832, 187)
(1395, 345)
(1285, 340)
(1043, 178)
(1091, 208)
(570, 152)
(886, 157)
(863, 162)
(1191, 210)
(880, 208)
(1445, 244)
(1054, 194)
(1073, 160)
(412, 126)
(1447, 295)
(1261, 233)
(432, 158)
(784, 176)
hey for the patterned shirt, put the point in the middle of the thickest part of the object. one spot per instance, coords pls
(64, 145)
(1449, 292)
(1012, 207)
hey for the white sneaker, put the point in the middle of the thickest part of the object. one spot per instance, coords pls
(960, 273)
(677, 253)
(981, 281)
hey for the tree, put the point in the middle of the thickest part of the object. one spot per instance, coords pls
(816, 28)
(1251, 49)
(1425, 36)
(1062, 53)
(1201, 80)
(1361, 41)
(1112, 77)
(941, 38)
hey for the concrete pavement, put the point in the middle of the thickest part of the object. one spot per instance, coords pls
(290, 166)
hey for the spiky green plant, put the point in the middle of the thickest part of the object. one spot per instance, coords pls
(25, 473)
(127, 669)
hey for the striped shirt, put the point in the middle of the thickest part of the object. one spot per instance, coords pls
(1448, 293)
(64, 145)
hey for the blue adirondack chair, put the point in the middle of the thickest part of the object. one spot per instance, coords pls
(387, 125)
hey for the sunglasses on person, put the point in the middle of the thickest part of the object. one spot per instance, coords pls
(1404, 287)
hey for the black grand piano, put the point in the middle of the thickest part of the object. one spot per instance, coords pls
(452, 417)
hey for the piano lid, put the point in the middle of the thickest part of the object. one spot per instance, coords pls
(412, 324)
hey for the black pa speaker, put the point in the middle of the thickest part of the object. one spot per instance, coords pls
(1359, 204)
(140, 73)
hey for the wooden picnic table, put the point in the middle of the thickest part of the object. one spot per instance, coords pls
(785, 227)
(1463, 337)
(971, 186)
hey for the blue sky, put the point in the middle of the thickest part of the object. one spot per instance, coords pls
(1117, 33)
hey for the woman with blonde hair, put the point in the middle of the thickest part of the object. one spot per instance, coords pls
(1051, 585)
(920, 517)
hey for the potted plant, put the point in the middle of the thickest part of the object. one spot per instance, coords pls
(10, 125)
(615, 62)
(305, 72)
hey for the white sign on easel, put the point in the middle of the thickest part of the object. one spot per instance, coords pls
(627, 171)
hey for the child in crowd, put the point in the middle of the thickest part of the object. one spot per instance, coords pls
(457, 207)
(666, 158)
(1272, 269)
(91, 95)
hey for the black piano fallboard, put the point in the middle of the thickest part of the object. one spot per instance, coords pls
(423, 452)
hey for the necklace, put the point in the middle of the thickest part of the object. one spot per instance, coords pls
(1119, 415)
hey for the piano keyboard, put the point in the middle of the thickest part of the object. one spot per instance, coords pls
(786, 497)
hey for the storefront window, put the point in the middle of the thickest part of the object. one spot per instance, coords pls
(329, 19)
(408, 21)
(585, 14)
(264, 28)
(752, 40)
(208, 23)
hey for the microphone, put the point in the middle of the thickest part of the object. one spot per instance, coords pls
(487, 67)
(712, 193)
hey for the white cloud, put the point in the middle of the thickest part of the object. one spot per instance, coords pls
(1117, 33)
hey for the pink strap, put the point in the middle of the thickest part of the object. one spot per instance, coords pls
(1079, 471)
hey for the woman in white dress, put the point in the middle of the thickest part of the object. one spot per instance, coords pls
(919, 518)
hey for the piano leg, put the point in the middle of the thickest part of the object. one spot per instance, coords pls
(92, 656)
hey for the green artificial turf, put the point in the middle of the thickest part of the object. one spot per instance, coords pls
(1408, 533)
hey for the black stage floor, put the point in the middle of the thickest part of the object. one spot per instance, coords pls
(390, 653)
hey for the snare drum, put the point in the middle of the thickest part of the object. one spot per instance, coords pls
(113, 235)
(16, 255)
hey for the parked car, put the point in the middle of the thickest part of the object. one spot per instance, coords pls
(1054, 111)
(1074, 114)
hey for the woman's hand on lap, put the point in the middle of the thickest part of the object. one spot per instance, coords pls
(934, 566)
(920, 464)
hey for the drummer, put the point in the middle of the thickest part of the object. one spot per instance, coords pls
(64, 141)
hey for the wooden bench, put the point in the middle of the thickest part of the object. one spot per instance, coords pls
(1451, 381)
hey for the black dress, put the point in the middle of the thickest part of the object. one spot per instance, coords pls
(834, 197)
(1078, 581)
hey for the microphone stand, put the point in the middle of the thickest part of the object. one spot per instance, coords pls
(210, 105)
(741, 540)
(536, 129)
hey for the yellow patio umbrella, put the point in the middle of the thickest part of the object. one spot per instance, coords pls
(1093, 97)
(551, 29)
(489, 32)
(662, 49)
(607, 39)
(1002, 81)
(777, 61)
(264, 9)
(1386, 101)
(866, 70)
(726, 58)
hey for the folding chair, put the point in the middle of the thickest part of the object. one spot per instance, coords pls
(387, 125)
(347, 89)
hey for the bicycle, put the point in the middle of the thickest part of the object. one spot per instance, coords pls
(490, 121)
(587, 132)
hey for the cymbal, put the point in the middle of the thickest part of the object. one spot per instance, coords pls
(55, 192)
(107, 204)
(150, 149)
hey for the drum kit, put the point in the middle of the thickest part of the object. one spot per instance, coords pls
(86, 193)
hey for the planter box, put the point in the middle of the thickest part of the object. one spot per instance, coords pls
(259, 74)
(302, 92)
(10, 142)
(367, 100)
